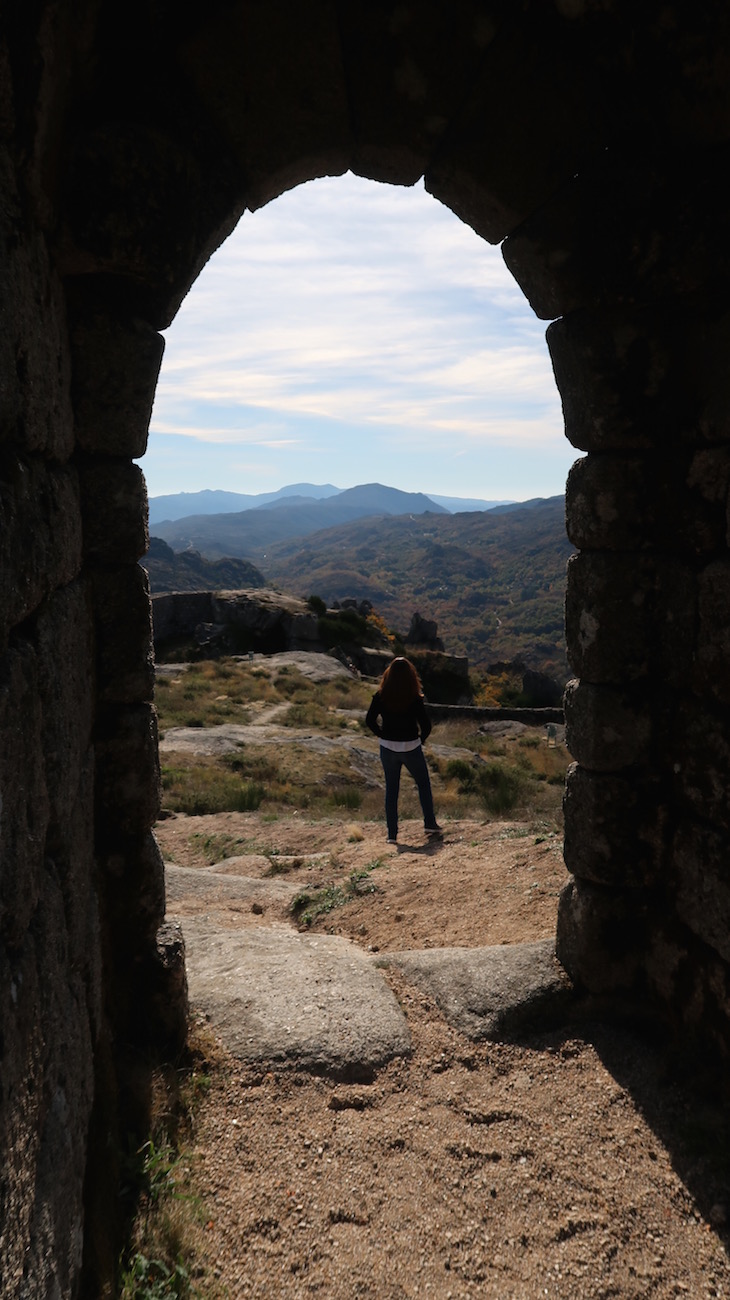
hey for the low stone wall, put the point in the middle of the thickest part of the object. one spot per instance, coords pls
(530, 717)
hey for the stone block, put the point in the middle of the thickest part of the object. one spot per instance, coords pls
(712, 659)
(56, 1228)
(700, 754)
(601, 936)
(271, 79)
(63, 638)
(623, 230)
(630, 617)
(393, 61)
(114, 508)
(133, 872)
(145, 210)
(623, 503)
(35, 407)
(123, 621)
(691, 985)
(474, 172)
(167, 1004)
(132, 198)
(127, 772)
(72, 858)
(45, 1103)
(611, 504)
(703, 500)
(23, 793)
(40, 535)
(606, 729)
(706, 346)
(116, 363)
(614, 829)
(700, 876)
(617, 375)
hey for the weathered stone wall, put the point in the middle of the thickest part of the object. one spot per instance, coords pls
(593, 138)
(81, 885)
(644, 383)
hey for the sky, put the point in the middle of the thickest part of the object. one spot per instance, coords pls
(351, 332)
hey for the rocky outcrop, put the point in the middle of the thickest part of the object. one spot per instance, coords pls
(234, 622)
(170, 570)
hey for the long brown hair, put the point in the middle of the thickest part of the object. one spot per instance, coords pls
(400, 684)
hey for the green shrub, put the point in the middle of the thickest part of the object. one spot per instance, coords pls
(499, 787)
(341, 627)
(461, 770)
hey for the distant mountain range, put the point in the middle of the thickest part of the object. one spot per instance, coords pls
(249, 533)
(493, 580)
(183, 505)
(179, 505)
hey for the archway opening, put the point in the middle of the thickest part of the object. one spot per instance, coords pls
(356, 333)
(352, 333)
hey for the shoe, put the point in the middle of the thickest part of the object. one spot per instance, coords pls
(433, 830)
(390, 841)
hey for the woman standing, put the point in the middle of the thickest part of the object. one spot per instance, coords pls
(403, 726)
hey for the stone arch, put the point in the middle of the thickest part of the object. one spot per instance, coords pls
(591, 141)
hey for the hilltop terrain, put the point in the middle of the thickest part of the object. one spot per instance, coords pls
(564, 1162)
(494, 581)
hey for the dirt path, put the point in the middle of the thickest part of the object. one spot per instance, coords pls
(569, 1164)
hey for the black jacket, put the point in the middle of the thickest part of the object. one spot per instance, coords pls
(398, 724)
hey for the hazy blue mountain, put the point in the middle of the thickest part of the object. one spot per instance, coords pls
(459, 505)
(507, 506)
(248, 533)
(179, 505)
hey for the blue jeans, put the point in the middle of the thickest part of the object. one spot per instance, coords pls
(414, 762)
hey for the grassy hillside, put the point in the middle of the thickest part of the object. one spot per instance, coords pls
(493, 581)
(472, 772)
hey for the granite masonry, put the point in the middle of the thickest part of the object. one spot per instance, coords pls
(591, 140)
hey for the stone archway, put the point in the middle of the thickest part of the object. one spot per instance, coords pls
(592, 142)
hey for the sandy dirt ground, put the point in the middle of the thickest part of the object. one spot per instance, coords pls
(579, 1162)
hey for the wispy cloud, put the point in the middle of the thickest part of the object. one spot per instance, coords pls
(349, 306)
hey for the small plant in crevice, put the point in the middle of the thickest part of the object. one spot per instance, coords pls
(309, 904)
(217, 846)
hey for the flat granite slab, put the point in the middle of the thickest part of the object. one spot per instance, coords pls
(490, 992)
(275, 995)
(208, 888)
